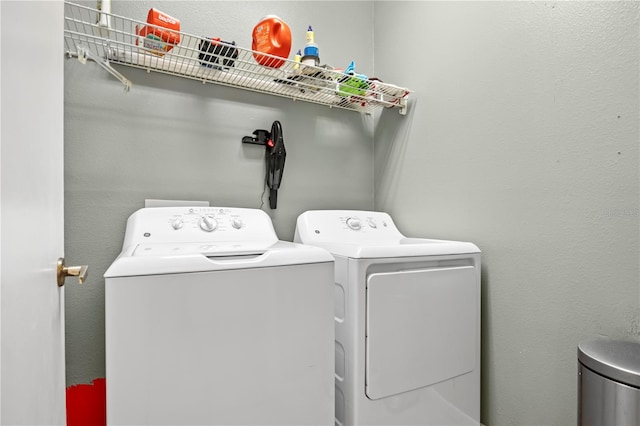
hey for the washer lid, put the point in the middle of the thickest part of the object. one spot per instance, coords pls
(618, 360)
(162, 259)
(212, 249)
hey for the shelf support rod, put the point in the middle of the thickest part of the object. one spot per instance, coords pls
(83, 54)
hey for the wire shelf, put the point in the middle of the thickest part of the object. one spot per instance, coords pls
(111, 39)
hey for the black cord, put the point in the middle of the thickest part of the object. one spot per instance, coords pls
(276, 131)
(264, 187)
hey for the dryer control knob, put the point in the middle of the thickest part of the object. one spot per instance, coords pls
(354, 223)
(236, 223)
(372, 223)
(208, 223)
(177, 223)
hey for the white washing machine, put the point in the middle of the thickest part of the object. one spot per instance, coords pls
(211, 320)
(407, 318)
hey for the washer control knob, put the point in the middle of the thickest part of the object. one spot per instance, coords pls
(177, 223)
(236, 222)
(354, 223)
(208, 223)
(372, 223)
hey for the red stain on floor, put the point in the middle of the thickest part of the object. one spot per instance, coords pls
(87, 404)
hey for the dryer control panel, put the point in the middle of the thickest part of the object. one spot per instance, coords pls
(198, 224)
(347, 226)
(365, 234)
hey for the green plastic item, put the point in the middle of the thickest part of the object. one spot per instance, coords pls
(352, 83)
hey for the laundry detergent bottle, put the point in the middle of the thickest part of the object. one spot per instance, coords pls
(271, 36)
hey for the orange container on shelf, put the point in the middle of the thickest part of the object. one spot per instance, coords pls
(159, 40)
(271, 36)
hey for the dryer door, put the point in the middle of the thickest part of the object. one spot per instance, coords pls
(422, 328)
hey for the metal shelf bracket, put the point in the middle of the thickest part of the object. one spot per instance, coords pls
(84, 54)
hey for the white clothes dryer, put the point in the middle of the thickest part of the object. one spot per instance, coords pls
(210, 319)
(407, 318)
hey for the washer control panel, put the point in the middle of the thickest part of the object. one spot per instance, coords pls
(197, 224)
(346, 225)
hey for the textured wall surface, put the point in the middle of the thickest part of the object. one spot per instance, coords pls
(523, 138)
(172, 138)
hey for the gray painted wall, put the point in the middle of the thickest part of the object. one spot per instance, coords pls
(524, 140)
(171, 138)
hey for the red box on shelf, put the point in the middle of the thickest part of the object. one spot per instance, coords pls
(159, 40)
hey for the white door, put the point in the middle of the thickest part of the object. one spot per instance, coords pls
(422, 328)
(32, 370)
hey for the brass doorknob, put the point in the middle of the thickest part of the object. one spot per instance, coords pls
(70, 271)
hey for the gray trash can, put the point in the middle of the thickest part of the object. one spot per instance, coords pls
(608, 382)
